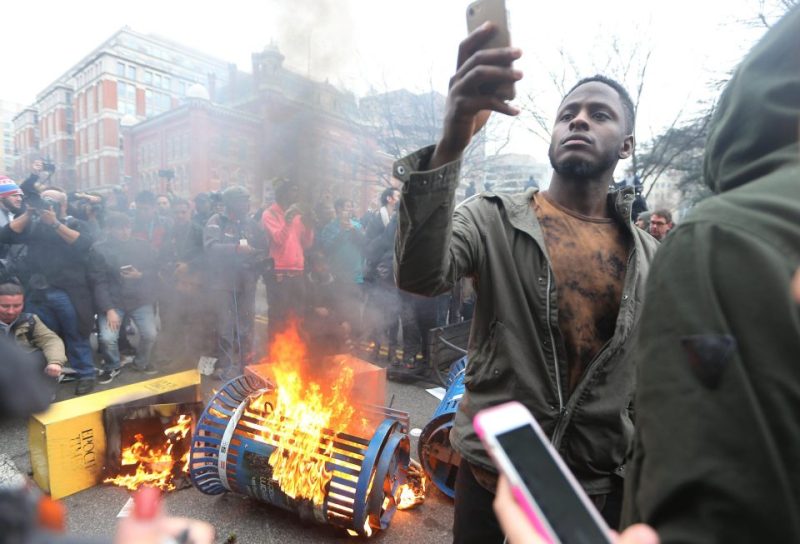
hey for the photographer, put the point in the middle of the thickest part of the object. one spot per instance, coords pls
(56, 275)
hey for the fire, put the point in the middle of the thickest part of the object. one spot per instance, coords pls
(412, 493)
(155, 465)
(307, 415)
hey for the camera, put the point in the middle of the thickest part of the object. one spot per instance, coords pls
(48, 167)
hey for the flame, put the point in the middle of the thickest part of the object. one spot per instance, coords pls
(154, 464)
(412, 493)
(306, 416)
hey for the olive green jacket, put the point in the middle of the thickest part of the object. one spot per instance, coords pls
(516, 350)
(717, 447)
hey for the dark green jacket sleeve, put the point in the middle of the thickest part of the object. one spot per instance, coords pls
(717, 448)
(434, 247)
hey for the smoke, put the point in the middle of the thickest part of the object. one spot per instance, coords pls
(316, 36)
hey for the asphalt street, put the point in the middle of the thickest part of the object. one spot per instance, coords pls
(238, 518)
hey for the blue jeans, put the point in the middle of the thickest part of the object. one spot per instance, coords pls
(58, 314)
(145, 319)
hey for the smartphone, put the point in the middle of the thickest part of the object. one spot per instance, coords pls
(542, 484)
(479, 12)
(126, 268)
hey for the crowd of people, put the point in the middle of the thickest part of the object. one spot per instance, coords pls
(662, 366)
(163, 281)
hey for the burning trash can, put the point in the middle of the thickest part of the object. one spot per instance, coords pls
(438, 458)
(305, 448)
(149, 445)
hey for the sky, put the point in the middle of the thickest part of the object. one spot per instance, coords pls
(376, 45)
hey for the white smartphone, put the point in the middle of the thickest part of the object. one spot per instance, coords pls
(481, 11)
(542, 484)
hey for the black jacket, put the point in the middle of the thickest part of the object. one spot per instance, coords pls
(112, 290)
(49, 261)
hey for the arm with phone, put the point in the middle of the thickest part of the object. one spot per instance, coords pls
(519, 530)
(434, 247)
(555, 505)
(483, 81)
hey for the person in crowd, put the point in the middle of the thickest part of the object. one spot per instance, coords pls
(11, 205)
(10, 200)
(717, 436)
(559, 277)
(28, 331)
(180, 305)
(236, 257)
(289, 236)
(382, 305)
(127, 285)
(202, 209)
(643, 221)
(148, 224)
(343, 241)
(56, 274)
(325, 318)
(163, 205)
(90, 209)
(660, 224)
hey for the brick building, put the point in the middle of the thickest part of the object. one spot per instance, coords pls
(79, 114)
(8, 110)
(202, 146)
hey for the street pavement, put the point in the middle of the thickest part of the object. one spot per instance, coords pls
(237, 518)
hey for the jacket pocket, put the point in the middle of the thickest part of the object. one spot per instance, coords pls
(490, 363)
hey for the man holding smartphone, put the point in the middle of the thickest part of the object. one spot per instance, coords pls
(559, 277)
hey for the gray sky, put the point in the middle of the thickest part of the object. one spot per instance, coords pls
(363, 44)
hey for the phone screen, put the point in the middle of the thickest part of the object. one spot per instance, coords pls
(549, 487)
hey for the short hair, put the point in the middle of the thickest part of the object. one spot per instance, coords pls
(117, 220)
(389, 191)
(147, 198)
(10, 287)
(339, 203)
(624, 97)
(666, 214)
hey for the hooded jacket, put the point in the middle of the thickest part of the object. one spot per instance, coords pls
(516, 350)
(717, 446)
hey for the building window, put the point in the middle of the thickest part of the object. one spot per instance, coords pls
(121, 69)
(148, 77)
(132, 73)
(126, 98)
(166, 83)
(156, 102)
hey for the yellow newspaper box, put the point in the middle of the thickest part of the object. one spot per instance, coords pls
(68, 442)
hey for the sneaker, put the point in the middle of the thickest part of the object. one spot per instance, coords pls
(106, 376)
(149, 370)
(84, 386)
(126, 360)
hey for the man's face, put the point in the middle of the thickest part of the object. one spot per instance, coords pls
(10, 307)
(659, 227)
(163, 203)
(394, 198)
(345, 213)
(590, 134)
(182, 214)
(12, 203)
